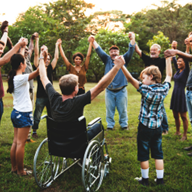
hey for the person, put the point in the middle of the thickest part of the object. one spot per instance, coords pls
(41, 97)
(79, 69)
(69, 106)
(174, 44)
(149, 134)
(27, 53)
(178, 99)
(4, 60)
(21, 115)
(116, 92)
(154, 59)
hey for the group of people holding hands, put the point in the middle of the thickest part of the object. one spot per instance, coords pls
(69, 105)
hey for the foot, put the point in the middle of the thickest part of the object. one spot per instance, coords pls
(25, 173)
(189, 154)
(109, 129)
(124, 128)
(142, 181)
(165, 132)
(178, 133)
(30, 141)
(183, 138)
(159, 181)
(188, 148)
(34, 135)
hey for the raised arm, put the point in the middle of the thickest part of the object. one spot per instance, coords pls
(168, 70)
(56, 56)
(186, 41)
(130, 78)
(95, 44)
(31, 44)
(138, 50)
(173, 52)
(89, 53)
(36, 52)
(6, 58)
(66, 61)
(106, 80)
(34, 74)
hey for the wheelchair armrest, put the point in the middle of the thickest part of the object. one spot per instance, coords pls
(94, 121)
(44, 116)
(81, 118)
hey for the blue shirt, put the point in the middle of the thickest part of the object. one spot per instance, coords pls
(119, 80)
(151, 113)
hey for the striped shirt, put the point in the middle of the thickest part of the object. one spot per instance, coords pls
(151, 114)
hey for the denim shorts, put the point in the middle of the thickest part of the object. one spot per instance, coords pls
(21, 119)
(149, 139)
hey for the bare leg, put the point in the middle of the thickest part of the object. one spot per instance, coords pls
(185, 125)
(21, 139)
(159, 164)
(13, 151)
(177, 122)
(144, 164)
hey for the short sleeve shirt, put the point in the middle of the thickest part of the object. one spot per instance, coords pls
(67, 110)
(151, 113)
(81, 74)
(1, 86)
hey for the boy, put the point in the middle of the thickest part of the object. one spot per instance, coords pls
(149, 129)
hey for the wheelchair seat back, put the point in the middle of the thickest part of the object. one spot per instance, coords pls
(67, 139)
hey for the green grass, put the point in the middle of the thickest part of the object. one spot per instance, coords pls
(122, 148)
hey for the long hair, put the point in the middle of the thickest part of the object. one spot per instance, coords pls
(16, 60)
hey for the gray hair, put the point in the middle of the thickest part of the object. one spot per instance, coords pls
(157, 45)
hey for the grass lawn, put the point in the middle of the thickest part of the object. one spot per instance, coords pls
(122, 148)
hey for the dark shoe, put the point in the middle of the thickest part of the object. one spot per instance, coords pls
(109, 129)
(30, 141)
(142, 181)
(34, 135)
(188, 148)
(159, 181)
(4, 25)
(9, 43)
(189, 154)
(124, 128)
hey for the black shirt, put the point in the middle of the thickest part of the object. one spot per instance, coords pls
(68, 110)
(40, 89)
(159, 62)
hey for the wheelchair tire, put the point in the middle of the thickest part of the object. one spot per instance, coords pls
(44, 169)
(93, 167)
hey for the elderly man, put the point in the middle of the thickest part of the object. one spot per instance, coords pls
(68, 107)
(116, 92)
(154, 59)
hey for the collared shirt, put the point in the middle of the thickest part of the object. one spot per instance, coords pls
(151, 113)
(120, 79)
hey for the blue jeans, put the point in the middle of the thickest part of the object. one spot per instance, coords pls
(39, 106)
(188, 96)
(164, 124)
(1, 108)
(119, 100)
(93, 131)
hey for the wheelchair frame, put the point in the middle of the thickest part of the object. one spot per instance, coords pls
(95, 165)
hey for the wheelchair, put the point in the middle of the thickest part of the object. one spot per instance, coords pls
(67, 144)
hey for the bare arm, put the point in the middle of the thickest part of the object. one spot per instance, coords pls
(138, 50)
(168, 70)
(95, 44)
(31, 47)
(33, 74)
(36, 51)
(106, 80)
(88, 54)
(130, 78)
(67, 63)
(56, 56)
(6, 58)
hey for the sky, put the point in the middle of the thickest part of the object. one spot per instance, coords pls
(10, 9)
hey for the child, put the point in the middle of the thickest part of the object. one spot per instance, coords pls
(149, 129)
(21, 115)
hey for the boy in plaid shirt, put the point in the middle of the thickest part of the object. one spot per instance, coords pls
(150, 118)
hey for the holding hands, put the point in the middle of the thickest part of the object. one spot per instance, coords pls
(91, 39)
(23, 42)
(131, 36)
(119, 61)
(35, 36)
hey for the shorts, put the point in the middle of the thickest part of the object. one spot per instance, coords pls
(21, 119)
(149, 139)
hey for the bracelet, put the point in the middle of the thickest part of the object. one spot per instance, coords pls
(41, 58)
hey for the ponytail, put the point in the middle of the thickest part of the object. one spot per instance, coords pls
(16, 60)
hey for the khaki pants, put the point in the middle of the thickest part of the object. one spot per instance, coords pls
(32, 101)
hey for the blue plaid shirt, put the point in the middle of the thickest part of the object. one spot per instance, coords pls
(151, 114)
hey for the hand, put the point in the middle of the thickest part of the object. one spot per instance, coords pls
(59, 41)
(44, 48)
(23, 41)
(35, 36)
(119, 61)
(170, 53)
(131, 35)
(91, 39)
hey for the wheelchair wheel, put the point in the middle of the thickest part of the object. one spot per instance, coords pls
(45, 167)
(93, 167)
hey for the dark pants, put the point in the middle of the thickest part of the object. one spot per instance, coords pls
(1, 108)
(93, 131)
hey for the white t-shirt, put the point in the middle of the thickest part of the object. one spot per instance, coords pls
(21, 98)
